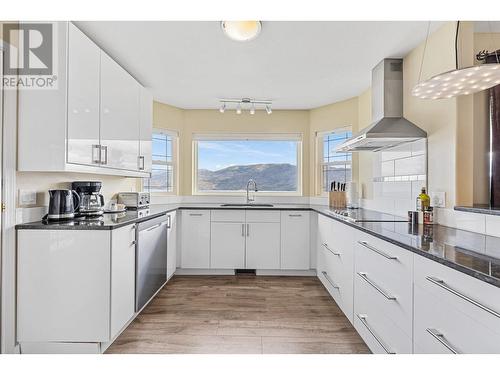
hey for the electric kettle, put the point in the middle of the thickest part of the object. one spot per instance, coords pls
(62, 204)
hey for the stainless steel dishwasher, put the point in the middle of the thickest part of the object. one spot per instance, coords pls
(150, 259)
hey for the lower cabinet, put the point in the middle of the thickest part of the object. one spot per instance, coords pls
(171, 243)
(335, 262)
(263, 246)
(295, 241)
(195, 243)
(74, 286)
(454, 313)
(122, 277)
(227, 245)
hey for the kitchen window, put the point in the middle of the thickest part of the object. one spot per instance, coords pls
(333, 166)
(163, 169)
(223, 164)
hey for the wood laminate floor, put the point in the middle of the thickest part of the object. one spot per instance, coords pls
(241, 314)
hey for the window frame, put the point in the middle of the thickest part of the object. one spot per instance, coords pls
(296, 137)
(174, 163)
(320, 157)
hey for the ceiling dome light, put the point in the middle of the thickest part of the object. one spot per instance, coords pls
(241, 31)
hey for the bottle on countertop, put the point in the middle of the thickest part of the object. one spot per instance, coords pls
(423, 201)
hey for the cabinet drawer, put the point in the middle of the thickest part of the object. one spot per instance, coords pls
(228, 215)
(262, 216)
(337, 279)
(388, 281)
(473, 302)
(441, 328)
(375, 326)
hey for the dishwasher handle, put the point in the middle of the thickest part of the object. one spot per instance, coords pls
(153, 223)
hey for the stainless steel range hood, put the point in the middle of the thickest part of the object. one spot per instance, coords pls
(389, 128)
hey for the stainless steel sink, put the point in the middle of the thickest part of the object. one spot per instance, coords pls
(246, 205)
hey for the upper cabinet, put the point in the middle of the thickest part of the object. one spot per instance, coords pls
(83, 98)
(119, 116)
(98, 119)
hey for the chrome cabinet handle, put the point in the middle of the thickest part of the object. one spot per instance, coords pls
(248, 230)
(169, 221)
(156, 226)
(140, 163)
(363, 317)
(374, 249)
(195, 214)
(442, 284)
(242, 230)
(440, 337)
(105, 149)
(132, 243)
(330, 250)
(330, 280)
(376, 287)
(295, 215)
(96, 156)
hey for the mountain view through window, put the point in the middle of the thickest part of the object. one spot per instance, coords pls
(227, 165)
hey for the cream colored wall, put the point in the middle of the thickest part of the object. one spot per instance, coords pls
(365, 159)
(437, 117)
(189, 122)
(330, 117)
(41, 182)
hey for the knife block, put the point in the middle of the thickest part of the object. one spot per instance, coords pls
(337, 199)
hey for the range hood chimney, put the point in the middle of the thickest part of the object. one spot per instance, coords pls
(389, 128)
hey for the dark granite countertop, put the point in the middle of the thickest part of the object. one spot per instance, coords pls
(480, 209)
(472, 253)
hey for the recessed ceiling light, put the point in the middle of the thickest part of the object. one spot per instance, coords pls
(241, 31)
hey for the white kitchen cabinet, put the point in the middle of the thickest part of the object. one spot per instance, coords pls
(93, 118)
(122, 277)
(145, 130)
(295, 241)
(171, 243)
(119, 116)
(454, 312)
(227, 249)
(83, 98)
(195, 241)
(263, 246)
(63, 286)
(335, 261)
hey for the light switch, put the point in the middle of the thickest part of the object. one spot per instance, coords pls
(27, 197)
(438, 198)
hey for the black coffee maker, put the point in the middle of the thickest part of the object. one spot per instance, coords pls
(62, 204)
(91, 202)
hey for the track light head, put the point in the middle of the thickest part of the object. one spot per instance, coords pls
(268, 109)
(238, 109)
(252, 109)
(222, 108)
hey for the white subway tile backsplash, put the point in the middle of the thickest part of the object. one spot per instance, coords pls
(492, 224)
(398, 152)
(410, 166)
(419, 147)
(396, 190)
(387, 168)
(470, 221)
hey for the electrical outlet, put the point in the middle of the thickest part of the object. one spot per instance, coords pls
(27, 197)
(438, 198)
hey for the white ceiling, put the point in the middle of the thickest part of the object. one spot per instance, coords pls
(297, 65)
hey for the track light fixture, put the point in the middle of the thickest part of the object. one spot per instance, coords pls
(245, 103)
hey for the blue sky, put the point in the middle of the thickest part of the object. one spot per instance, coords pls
(215, 155)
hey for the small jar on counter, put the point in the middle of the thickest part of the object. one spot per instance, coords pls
(428, 216)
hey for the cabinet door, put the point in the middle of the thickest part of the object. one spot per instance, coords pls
(263, 246)
(171, 244)
(295, 245)
(227, 246)
(145, 129)
(122, 277)
(119, 116)
(195, 240)
(83, 99)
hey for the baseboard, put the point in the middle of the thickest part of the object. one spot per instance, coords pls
(201, 271)
(286, 272)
